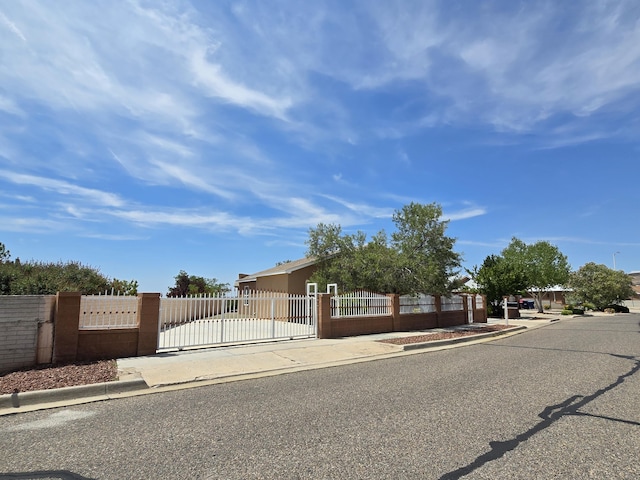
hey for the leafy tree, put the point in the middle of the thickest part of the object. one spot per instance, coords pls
(426, 256)
(5, 255)
(496, 278)
(418, 258)
(600, 285)
(125, 287)
(542, 264)
(194, 285)
(521, 268)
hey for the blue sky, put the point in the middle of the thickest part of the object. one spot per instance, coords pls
(146, 137)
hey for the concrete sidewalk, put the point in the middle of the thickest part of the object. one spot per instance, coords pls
(186, 369)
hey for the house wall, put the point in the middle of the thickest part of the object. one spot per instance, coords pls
(294, 283)
(298, 280)
(272, 283)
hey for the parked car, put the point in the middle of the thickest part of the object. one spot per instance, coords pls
(527, 304)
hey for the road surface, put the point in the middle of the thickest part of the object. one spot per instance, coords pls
(556, 402)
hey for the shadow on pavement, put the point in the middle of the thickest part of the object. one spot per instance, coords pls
(549, 416)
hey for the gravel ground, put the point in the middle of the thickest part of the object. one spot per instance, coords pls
(432, 337)
(45, 377)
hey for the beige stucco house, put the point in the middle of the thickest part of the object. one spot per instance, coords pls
(289, 277)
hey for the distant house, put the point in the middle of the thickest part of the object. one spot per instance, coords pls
(635, 282)
(553, 296)
(289, 277)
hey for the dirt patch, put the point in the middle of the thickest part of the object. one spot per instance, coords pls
(432, 337)
(46, 377)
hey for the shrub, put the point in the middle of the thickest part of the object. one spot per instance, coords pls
(589, 306)
(609, 310)
(547, 306)
(566, 312)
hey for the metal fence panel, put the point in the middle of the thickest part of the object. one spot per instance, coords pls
(420, 303)
(454, 303)
(246, 317)
(360, 304)
(98, 312)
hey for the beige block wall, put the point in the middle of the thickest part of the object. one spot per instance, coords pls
(26, 334)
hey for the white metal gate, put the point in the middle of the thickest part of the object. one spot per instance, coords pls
(246, 317)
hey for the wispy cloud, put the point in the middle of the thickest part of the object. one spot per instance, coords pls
(464, 214)
(64, 188)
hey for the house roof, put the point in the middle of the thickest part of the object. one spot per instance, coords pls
(282, 269)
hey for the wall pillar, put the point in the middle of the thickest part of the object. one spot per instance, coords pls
(324, 315)
(395, 311)
(148, 316)
(465, 307)
(66, 324)
(437, 299)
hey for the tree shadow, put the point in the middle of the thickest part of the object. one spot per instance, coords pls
(549, 416)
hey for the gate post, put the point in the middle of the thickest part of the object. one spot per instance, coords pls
(148, 315)
(324, 315)
(395, 311)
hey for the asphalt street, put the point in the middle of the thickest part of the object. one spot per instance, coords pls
(555, 402)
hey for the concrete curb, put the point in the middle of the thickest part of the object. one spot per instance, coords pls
(469, 338)
(38, 397)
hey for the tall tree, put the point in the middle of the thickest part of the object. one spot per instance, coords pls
(419, 257)
(600, 285)
(496, 279)
(541, 263)
(427, 260)
(5, 255)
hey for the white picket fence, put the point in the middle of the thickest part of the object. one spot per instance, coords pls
(360, 304)
(98, 312)
(245, 317)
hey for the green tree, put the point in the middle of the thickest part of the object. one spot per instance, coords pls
(5, 255)
(495, 279)
(600, 285)
(194, 285)
(125, 287)
(541, 263)
(426, 258)
(338, 257)
(419, 257)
